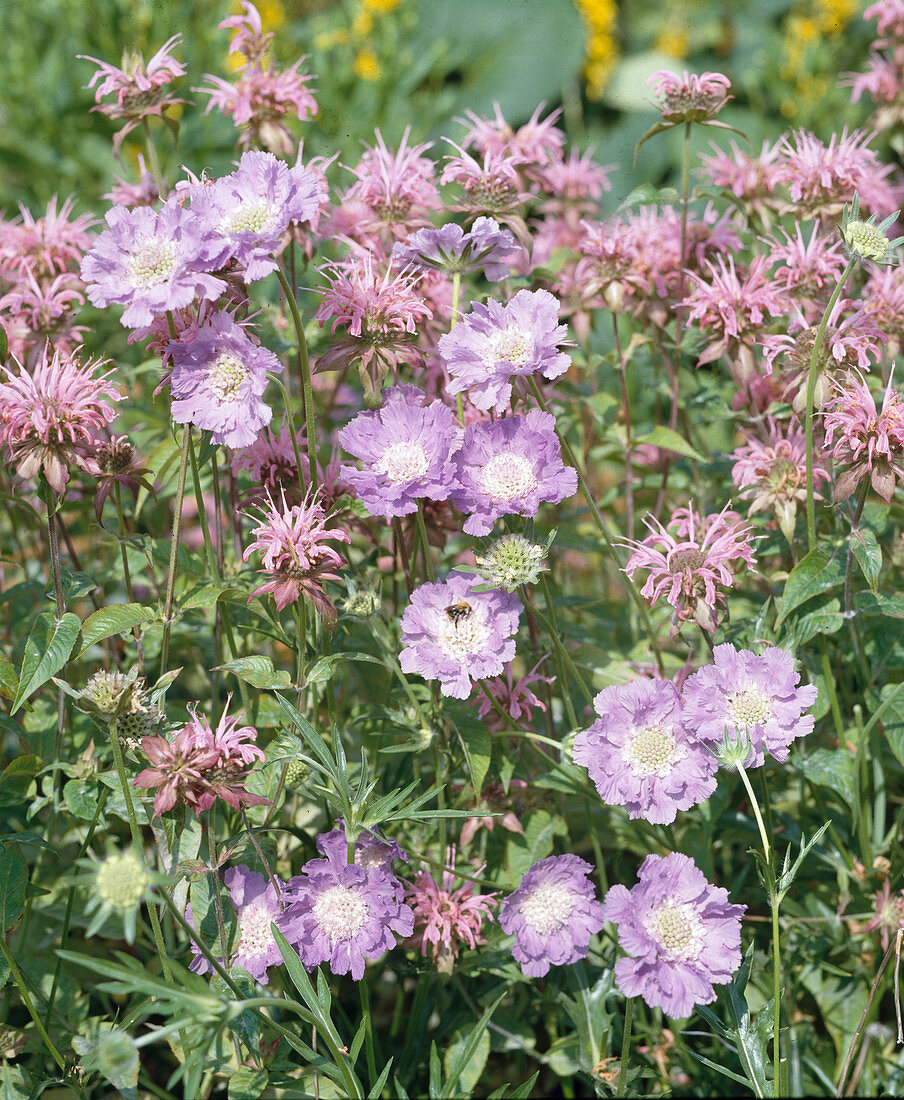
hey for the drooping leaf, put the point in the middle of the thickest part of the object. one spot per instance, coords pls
(109, 621)
(47, 649)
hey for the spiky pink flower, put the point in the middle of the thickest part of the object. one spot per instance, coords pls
(270, 460)
(889, 16)
(446, 917)
(866, 441)
(514, 696)
(535, 144)
(888, 916)
(42, 312)
(138, 87)
(689, 97)
(49, 416)
(690, 560)
(491, 185)
(143, 193)
(200, 765)
(45, 246)
(291, 540)
(808, 270)
(751, 178)
(573, 186)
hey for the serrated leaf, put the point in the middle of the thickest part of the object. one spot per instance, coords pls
(258, 671)
(47, 649)
(868, 555)
(820, 571)
(113, 620)
(13, 880)
(821, 615)
(669, 440)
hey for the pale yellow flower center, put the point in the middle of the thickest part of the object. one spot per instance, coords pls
(652, 751)
(226, 377)
(510, 346)
(255, 937)
(749, 708)
(251, 217)
(153, 264)
(507, 477)
(403, 461)
(677, 929)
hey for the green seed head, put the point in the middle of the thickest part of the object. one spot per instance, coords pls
(121, 881)
(865, 240)
(512, 561)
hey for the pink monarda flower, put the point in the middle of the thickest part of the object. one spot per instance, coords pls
(867, 441)
(751, 178)
(754, 699)
(681, 933)
(138, 87)
(552, 914)
(152, 262)
(271, 461)
(510, 467)
(888, 914)
(143, 193)
(772, 473)
(45, 246)
(200, 765)
(291, 540)
(43, 313)
(689, 97)
(49, 417)
(808, 270)
(445, 917)
(455, 635)
(515, 697)
(406, 448)
(492, 185)
(641, 754)
(256, 906)
(690, 560)
(536, 144)
(218, 380)
(495, 343)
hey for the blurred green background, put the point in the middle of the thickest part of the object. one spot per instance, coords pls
(419, 63)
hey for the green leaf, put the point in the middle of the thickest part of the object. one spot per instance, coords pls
(887, 605)
(13, 880)
(475, 741)
(821, 570)
(245, 1024)
(114, 1055)
(868, 555)
(247, 1083)
(80, 796)
(833, 768)
(16, 779)
(258, 671)
(116, 619)
(9, 681)
(322, 669)
(892, 718)
(821, 615)
(470, 1072)
(669, 440)
(468, 1056)
(47, 649)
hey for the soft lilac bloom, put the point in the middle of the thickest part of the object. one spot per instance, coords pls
(218, 380)
(682, 934)
(371, 849)
(509, 467)
(455, 635)
(151, 262)
(251, 209)
(343, 915)
(745, 695)
(552, 914)
(641, 754)
(256, 906)
(406, 448)
(493, 343)
(689, 97)
(485, 246)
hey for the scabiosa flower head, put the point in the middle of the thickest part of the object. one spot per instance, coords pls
(517, 699)
(495, 343)
(218, 379)
(509, 467)
(49, 417)
(344, 914)
(866, 441)
(455, 635)
(552, 914)
(689, 97)
(118, 888)
(484, 247)
(251, 209)
(406, 448)
(745, 695)
(445, 916)
(151, 262)
(511, 561)
(641, 755)
(682, 935)
(256, 905)
(690, 559)
(200, 765)
(772, 473)
(292, 543)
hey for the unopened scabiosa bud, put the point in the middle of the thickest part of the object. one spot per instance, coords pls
(119, 885)
(296, 773)
(511, 561)
(362, 601)
(865, 239)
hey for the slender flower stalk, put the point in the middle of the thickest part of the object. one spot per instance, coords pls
(304, 369)
(174, 548)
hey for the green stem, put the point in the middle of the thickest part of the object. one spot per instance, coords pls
(566, 694)
(561, 651)
(174, 549)
(425, 542)
(811, 390)
(153, 159)
(126, 573)
(260, 855)
(304, 367)
(624, 1064)
(290, 421)
(30, 1008)
(367, 1017)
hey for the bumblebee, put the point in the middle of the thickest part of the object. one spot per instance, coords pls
(460, 611)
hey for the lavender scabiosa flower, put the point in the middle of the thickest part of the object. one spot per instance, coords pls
(256, 905)
(742, 695)
(445, 916)
(552, 914)
(151, 262)
(291, 540)
(406, 448)
(689, 559)
(641, 755)
(682, 934)
(218, 379)
(485, 247)
(495, 343)
(455, 635)
(867, 441)
(343, 915)
(251, 209)
(689, 97)
(509, 467)
(50, 416)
